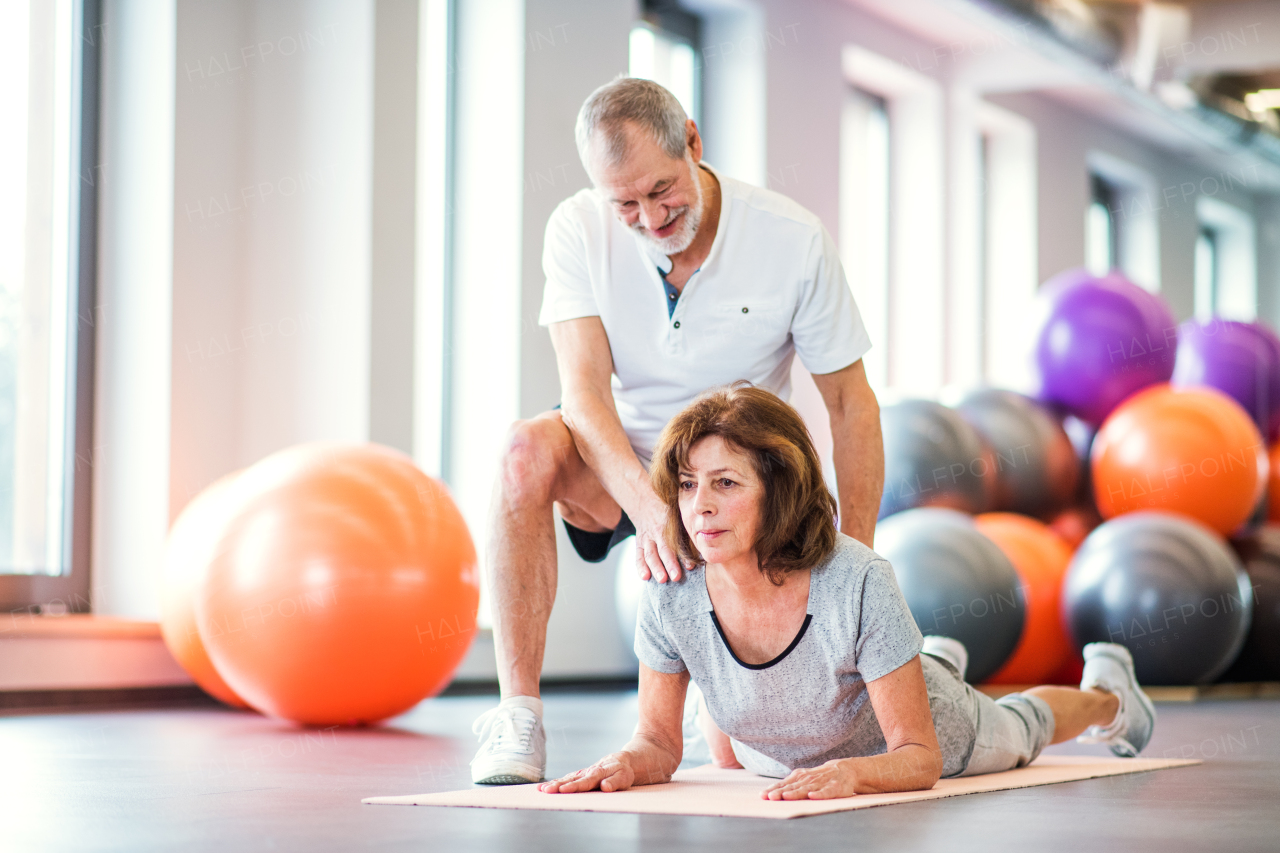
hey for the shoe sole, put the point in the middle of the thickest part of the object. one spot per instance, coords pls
(511, 773)
(1126, 663)
(505, 779)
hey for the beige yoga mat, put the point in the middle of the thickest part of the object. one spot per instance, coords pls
(713, 792)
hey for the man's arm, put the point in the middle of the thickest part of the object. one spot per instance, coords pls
(858, 448)
(585, 364)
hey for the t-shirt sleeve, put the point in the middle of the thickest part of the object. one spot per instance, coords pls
(827, 328)
(887, 632)
(567, 294)
(653, 647)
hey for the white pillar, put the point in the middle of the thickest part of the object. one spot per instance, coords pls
(135, 278)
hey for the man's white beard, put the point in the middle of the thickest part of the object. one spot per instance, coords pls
(679, 241)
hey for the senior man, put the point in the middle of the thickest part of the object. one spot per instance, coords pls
(664, 279)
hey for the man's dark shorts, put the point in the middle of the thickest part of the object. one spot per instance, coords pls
(594, 547)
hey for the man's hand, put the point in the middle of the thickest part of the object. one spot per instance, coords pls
(611, 773)
(827, 781)
(654, 558)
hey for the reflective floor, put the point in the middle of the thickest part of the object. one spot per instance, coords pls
(207, 779)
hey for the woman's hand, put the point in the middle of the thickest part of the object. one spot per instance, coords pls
(611, 773)
(837, 778)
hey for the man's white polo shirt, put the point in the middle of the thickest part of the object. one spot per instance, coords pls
(772, 287)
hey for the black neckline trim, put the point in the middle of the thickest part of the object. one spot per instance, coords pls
(808, 617)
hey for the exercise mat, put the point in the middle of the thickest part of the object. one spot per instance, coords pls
(713, 792)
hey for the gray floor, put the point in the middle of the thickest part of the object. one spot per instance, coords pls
(202, 779)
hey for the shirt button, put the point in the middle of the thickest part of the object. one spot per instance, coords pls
(744, 310)
(672, 296)
(677, 324)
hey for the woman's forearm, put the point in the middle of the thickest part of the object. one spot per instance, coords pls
(909, 768)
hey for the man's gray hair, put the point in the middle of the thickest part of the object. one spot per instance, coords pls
(629, 100)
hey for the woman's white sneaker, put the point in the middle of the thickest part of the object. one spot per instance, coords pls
(1109, 667)
(950, 650)
(513, 749)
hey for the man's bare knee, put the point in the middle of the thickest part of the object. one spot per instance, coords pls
(534, 455)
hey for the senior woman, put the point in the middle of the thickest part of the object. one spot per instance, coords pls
(802, 644)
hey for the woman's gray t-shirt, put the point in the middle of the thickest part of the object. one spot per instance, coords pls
(810, 704)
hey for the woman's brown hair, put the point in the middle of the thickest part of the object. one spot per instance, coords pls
(797, 515)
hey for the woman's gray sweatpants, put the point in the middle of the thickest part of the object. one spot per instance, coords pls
(1010, 731)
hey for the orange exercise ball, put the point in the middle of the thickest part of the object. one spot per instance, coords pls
(1273, 485)
(1040, 557)
(193, 540)
(1075, 524)
(345, 590)
(1193, 451)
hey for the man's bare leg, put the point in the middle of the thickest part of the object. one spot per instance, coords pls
(541, 469)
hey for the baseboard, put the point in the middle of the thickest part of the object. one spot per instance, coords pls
(84, 652)
(25, 702)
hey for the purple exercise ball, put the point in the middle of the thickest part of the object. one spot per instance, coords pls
(1242, 360)
(1100, 339)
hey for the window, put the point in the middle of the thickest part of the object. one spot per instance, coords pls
(48, 101)
(1226, 272)
(663, 49)
(1006, 244)
(893, 203)
(1100, 228)
(1206, 273)
(864, 218)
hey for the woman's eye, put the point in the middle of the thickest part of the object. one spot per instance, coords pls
(686, 485)
(725, 482)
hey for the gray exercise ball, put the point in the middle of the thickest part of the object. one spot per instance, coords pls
(957, 582)
(932, 457)
(1259, 658)
(1036, 467)
(1166, 588)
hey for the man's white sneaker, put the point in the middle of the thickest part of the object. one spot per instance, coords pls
(1109, 667)
(947, 649)
(513, 749)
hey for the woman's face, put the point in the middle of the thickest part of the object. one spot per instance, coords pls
(720, 500)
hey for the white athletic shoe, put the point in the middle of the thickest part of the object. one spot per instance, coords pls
(950, 650)
(513, 749)
(1109, 667)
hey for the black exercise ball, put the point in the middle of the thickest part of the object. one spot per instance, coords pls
(1036, 467)
(1165, 587)
(957, 582)
(933, 457)
(1081, 433)
(1259, 658)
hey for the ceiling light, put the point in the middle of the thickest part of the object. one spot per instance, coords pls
(1262, 100)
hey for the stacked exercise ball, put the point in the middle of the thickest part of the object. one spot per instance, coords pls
(957, 583)
(1168, 589)
(1145, 448)
(1035, 467)
(327, 585)
(1259, 659)
(1242, 360)
(1040, 557)
(933, 457)
(1100, 339)
(1194, 451)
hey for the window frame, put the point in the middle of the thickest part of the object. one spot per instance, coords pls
(70, 592)
(671, 20)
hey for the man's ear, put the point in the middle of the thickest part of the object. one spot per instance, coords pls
(693, 139)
